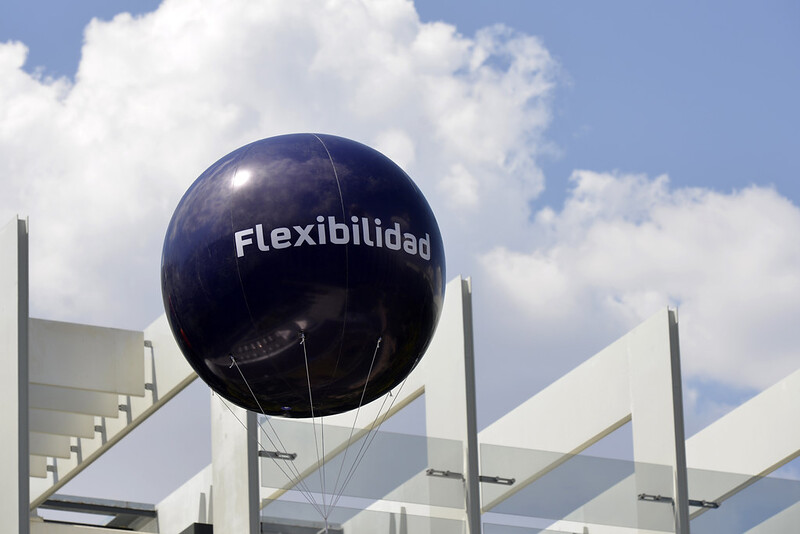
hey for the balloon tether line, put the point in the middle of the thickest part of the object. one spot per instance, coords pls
(296, 478)
(258, 403)
(295, 472)
(303, 491)
(355, 419)
(321, 463)
(370, 437)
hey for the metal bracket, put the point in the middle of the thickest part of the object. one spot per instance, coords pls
(444, 474)
(459, 476)
(88, 505)
(655, 498)
(126, 408)
(704, 504)
(278, 455)
(101, 429)
(670, 500)
(77, 449)
(53, 468)
(497, 480)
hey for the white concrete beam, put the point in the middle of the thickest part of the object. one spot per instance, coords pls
(784, 521)
(753, 440)
(569, 415)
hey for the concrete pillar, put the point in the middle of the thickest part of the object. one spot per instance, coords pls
(657, 413)
(450, 406)
(14, 459)
(234, 468)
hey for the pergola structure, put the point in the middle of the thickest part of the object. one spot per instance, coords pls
(70, 392)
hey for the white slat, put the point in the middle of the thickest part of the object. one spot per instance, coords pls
(86, 357)
(73, 400)
(49, 445)
(63, 423)
(38, 466)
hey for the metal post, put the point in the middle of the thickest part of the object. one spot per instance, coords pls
(680, 478)
(472, 467)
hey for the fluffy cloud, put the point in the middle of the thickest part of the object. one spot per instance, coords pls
(100, 161)
(624, 246)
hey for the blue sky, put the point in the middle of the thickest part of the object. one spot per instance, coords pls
(705, 91)
(602, 160)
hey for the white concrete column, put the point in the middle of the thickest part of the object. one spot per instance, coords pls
(657, 414)
(14, 462)
(450, 407)
(234, 469)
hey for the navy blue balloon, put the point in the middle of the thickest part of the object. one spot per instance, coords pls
(311, 238)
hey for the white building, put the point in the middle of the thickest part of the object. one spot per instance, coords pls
(70, 392)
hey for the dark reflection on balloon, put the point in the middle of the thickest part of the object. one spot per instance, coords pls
(303, 235)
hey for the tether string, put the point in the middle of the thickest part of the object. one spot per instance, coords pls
(306, 493)
(277, 436)
(321, 463)
(355, 419)
(327, 508)
(298, 480)
(369, 439)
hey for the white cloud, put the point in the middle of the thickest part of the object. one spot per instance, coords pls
(624, 246)
(397, 145)
(460, 188)
(100, 162)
